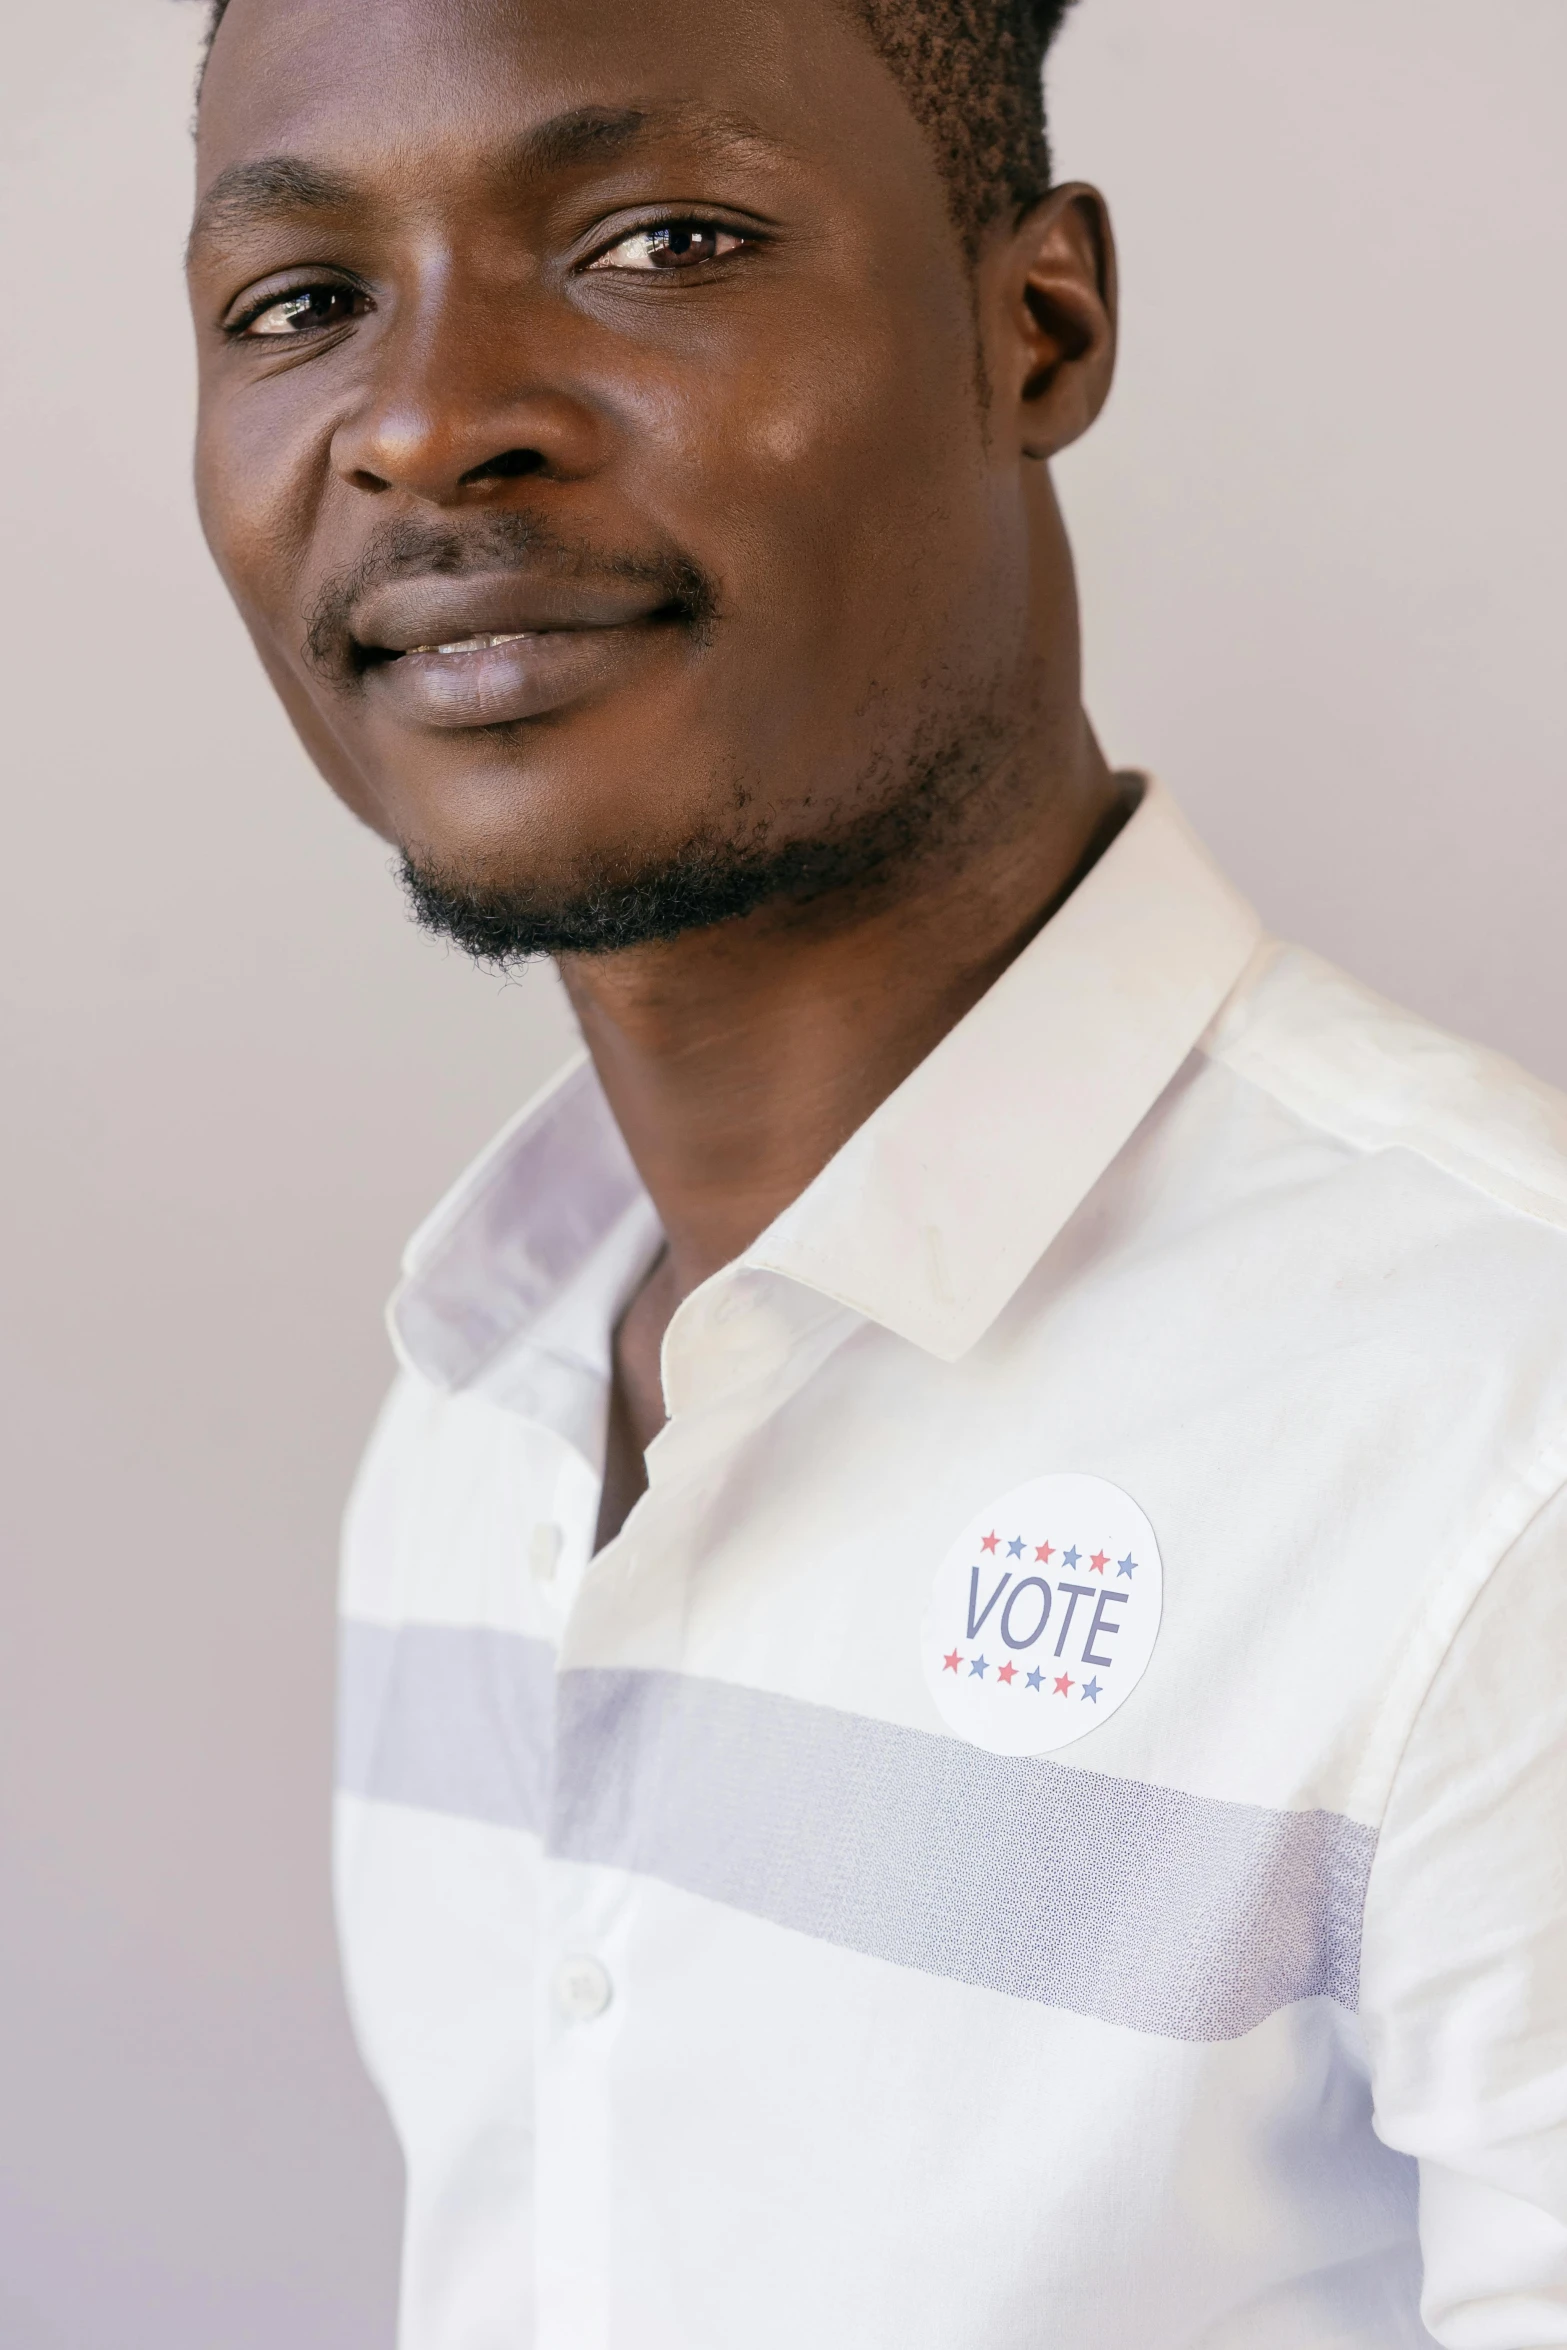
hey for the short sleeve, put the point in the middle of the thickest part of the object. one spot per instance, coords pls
(1464, 1963)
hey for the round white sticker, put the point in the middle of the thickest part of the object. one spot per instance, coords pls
(1043, 1615)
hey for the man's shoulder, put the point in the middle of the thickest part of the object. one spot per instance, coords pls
(1344, 1060)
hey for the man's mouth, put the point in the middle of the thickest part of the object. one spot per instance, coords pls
(493, 650)
(499, 677)
(501, 621)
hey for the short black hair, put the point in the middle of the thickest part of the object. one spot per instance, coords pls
(973, 73)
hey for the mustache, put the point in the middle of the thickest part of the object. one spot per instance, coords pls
(683, 592)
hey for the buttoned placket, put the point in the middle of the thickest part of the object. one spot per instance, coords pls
(737, 1349)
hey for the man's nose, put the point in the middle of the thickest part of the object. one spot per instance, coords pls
(470, 390)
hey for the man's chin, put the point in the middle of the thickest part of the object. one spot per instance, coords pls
(607, 906)
(602, 913)
(607, 912)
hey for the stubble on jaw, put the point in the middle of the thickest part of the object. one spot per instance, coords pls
(929, 803)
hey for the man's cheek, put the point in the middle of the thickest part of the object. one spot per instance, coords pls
(259, 488)
(225, 503)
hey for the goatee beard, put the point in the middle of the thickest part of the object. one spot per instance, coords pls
(710, 879)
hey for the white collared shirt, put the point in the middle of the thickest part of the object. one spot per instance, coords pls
(744, 1973)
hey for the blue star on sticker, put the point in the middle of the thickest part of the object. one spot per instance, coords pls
(1091, 1689)
(1069, 1558)
(977, 1664)
(1035, 1678)
(1126, 1566)
(1015, 1547)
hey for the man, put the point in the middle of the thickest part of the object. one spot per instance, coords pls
(952, 1673)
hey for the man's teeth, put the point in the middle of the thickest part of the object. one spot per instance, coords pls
(472, 644)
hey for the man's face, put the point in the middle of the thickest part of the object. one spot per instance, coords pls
(592, 431)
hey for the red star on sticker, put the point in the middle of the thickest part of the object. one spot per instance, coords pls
(1006, 1674)
(1063, 1684)
(1097, 1562)
(950, 1664)
(1044, 1552)
(989, 1542)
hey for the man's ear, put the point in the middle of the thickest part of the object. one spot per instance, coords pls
(1057, 282)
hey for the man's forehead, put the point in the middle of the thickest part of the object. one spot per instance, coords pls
(346, 81)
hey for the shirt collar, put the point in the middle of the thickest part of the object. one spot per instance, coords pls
(929, 1217)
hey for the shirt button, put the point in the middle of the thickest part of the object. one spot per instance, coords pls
(582, 1989)
(544, 1552)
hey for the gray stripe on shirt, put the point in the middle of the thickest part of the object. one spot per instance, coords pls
(1173, 1914)
(448, 1718)
(1178, 1915)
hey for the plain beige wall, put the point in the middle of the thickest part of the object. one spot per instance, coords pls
(1319, 534)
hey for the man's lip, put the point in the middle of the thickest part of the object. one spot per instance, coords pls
(501, 676)
(421, 613)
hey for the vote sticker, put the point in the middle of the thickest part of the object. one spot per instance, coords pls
(1043, 1615)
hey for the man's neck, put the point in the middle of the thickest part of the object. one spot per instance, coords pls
(737, 1061)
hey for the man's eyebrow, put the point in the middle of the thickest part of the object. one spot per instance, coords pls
(265, 190)
(597, 134)
(276, 186)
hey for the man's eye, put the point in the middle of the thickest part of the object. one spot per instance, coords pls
(305, 311)
(678, 244)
